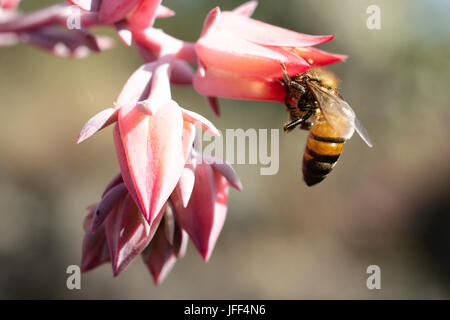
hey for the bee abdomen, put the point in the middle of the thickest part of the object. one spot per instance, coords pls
(321, 154)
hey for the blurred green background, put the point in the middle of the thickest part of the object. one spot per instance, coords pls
(388, 206)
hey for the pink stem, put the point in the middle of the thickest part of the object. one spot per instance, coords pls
(187, 53)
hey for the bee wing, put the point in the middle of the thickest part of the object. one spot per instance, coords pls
(339, 114)
(362, 132)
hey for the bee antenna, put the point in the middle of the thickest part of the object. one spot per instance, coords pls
(286, 77)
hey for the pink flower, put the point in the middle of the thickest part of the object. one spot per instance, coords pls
(116, 231)
(197, 208)
(128, 16)
(127, 233)
(153, 136)
(111, 11)
(240, 57)
(200, 200)
(47, 29)
(168, 244)
(95, 249)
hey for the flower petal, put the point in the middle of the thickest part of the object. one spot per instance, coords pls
(169, 223)
(180, 241)
(318, 57)
(232, 54)
(200, 121)
(211, 21)
(159, 90)
(214, 104)
(108, 202)
(203, 218)
(159, 257)
(246, 9)
(98, 122)
(164, 12)
(224, 169)
(266, 34)
(114, 182)
(154, 154)
(124, 33)
(88, 5)
(185, 185)
(127, 233)
(124, 169)
(95, 248)
(187, 138)
(137, 86)
(90, 40)
(235, 86)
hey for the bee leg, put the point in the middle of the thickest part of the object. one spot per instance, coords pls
(291, 125)
(288, 82)
(301, 121)
(297, 87)
(287, 79)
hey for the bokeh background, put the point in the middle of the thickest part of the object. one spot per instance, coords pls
(388, 206)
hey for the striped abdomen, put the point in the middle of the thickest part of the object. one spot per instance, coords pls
(323, 148)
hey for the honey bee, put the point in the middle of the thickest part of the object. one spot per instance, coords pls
(314, 103)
